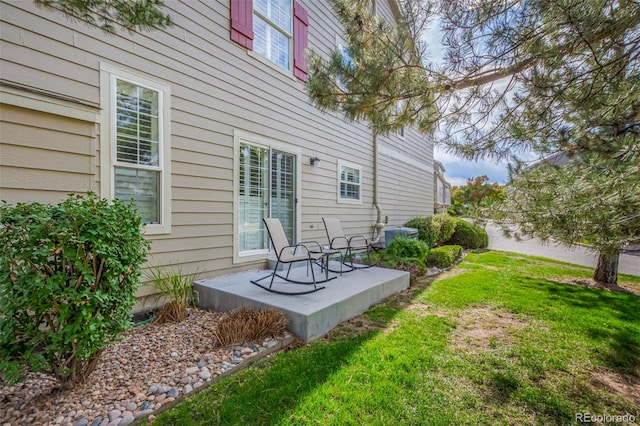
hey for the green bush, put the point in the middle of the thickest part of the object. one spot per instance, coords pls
(443, 256)
(469, 236)
(427, 230)
(68, 278)
(407, 248)
(446, 226)
(386, 260)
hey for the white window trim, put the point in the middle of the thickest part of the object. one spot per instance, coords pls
(272, 65)
(241, 136)
(108, 76)
(358, 167)
(289, 70)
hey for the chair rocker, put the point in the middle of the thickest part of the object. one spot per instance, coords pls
(290, 254)
(347, 245)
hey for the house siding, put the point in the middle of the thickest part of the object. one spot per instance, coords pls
(217, 87)
(44, 156)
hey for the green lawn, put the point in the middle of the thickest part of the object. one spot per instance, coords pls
(496, 340)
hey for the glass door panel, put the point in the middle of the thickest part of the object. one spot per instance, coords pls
(253, 197)
(283, 191)
(267, 188)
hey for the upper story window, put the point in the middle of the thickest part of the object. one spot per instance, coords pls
(136, 145)
(272, 30)
(275, 29)
(350, 180)
(347, 62)
(397, 110)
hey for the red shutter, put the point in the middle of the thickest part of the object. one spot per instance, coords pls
(242, 22)
(300, 41)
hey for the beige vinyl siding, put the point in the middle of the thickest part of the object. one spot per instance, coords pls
(44, 156)
(217, 87)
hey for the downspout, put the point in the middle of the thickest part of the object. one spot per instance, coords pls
(379, 226)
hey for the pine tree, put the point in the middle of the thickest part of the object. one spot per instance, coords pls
(131, 15)
(541, 76)
(593, 200)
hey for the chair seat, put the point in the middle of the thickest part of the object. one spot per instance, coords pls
(291, 257)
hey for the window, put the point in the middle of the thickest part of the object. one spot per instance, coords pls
(349, 178)
(274, 29)
(267, 186)
(135, 145)
(347, 62)
(398, 109)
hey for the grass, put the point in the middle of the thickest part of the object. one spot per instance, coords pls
(499, 339)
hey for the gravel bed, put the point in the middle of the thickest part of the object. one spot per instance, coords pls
(152, 366)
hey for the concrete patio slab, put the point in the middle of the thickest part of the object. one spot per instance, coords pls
(310, 315)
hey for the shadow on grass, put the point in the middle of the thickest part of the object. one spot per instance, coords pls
(609, 317)
(269, 391)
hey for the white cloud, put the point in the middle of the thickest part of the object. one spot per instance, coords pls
(459, 170)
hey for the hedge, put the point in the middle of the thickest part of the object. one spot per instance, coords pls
(407, 248)
(443, 256)
(427, 230)
(468, 235)
(446, 226)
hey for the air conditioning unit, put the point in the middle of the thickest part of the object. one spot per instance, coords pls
(402, 232)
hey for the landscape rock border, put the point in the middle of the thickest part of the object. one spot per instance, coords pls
(142, 375)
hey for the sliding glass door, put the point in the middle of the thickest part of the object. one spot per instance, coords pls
(267, 188)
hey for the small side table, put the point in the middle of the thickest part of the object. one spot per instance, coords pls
(324, 260)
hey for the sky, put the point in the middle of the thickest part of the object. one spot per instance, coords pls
(457, 169)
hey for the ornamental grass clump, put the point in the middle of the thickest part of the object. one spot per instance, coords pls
(246, 324)
(68, 277)
(176, 289)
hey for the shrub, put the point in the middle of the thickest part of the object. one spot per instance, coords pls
(469, 236)
(68, 277)
(176, 290)
(385, 260)
(443, 256)
(446, 226)
(407, 248)
(427, 230)
(247, 324)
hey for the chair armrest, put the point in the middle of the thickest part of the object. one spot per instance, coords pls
(295, 248)
(358, 237)
(332, 242)
(306, 244)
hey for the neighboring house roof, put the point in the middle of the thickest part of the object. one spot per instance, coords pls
(558, 159)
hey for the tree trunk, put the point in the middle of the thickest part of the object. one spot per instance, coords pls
(607, 270)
